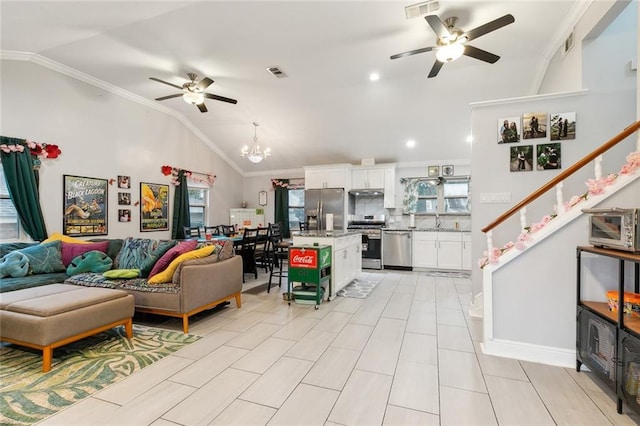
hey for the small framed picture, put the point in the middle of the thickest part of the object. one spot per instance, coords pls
(124, 215)
(508, 130)
(124, 182)
(124, 199)
(535, 125)
(549, 156)
(447, 170)
(521, 158)
(433, 171)
(262, 198)
(563, 126)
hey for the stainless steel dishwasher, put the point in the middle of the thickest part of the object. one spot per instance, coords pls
(396, 249)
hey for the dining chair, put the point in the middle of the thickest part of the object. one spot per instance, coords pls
(248, 250)
(213, 230)
(228, 229)
(279, 255)
(263, 248)
(192, 232)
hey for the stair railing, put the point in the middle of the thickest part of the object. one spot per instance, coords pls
(557, 182)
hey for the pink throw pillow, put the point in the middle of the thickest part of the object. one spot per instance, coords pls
(71, 250)
(173, 252)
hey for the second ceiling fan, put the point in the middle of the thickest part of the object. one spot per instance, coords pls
(452, 41)
(193, 92)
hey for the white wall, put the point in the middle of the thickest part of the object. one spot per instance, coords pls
(255, 184)
(104, 135)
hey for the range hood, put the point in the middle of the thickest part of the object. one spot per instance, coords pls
(367, 192)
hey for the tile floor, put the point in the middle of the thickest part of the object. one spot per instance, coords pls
(408, 354)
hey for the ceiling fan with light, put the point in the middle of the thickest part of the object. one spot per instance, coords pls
(193, 92)
(452, 41)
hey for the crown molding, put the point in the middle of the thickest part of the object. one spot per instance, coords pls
(89, 79)
(530, 98)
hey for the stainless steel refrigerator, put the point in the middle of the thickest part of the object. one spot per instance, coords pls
(320, 202)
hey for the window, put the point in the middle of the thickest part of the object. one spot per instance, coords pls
(198, 202)
(9, 222)
(442, 196)
(296, 208)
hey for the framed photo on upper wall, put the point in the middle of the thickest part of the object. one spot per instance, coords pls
(124, 182)
(534, 125)
(433, 171)
(549, 156)
(154, 207)
(508, 130)
(521, 158)
(563, 126)
(85, 206)
(447, 170)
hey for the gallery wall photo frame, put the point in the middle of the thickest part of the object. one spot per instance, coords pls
(521, 158)
(124, 215)
(534, 125)
(433, 171)
(124, 199)
(124, 182)
(85, 205)
(154, 207)
(549, 156)
(509, 129)
(563, 126)
(447, 170)
(262, 198)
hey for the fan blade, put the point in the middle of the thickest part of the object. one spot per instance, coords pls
(413, 52)
(220, 98)
(204, 83)
(438, 26)
(165, 82)
(435, 69)
(168, 97)
(489, 26)
(480, 54)
(202, 107)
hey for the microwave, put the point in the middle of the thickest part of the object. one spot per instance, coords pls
(614, 228)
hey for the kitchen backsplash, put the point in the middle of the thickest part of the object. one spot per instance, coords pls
(429, 221)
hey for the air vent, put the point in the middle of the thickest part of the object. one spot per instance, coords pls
(417, 10)
(568, 43)
(277, 72)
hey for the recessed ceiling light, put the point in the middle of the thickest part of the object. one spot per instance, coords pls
(411, 143)
(469, 138)
(374, 76)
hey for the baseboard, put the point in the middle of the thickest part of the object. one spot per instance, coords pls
(530, 352)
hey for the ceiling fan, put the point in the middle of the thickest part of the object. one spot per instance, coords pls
(452, 41)
(193, 92)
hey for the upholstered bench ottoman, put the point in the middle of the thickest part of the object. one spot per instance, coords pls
(53, 315)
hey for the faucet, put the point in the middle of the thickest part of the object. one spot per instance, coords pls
(437, 221)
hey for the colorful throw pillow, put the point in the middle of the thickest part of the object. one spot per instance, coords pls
(44, 258)
(169, 256)
(156, 254)
(72, 250)
(14, 264)
(122, 273)
(134, 251)
(166, 275)
(56, 236)
(91, 261)
(225, 251)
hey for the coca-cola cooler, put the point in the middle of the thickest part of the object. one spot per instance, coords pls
(309, 274)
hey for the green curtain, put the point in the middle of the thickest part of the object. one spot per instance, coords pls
(281, 213)
(410, 199)
(181, 217)
(22, 182)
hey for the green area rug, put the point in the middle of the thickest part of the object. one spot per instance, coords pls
(27, 395)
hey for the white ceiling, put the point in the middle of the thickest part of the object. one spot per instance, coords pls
(326, 111)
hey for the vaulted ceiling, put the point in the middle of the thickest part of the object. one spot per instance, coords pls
(326, 110)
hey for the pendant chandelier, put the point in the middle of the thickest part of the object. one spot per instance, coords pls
(255, 155)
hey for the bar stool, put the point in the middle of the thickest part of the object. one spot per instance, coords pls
(280, 255)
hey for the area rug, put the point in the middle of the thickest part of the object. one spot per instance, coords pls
(27, 395)
(447, 274)
(357, 289)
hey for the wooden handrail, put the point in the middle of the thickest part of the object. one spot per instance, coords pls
(563, 175)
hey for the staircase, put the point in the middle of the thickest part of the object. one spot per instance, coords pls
(528, 294)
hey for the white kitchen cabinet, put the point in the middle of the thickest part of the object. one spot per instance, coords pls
(327, 177)
(425, 249)
(367, 178)
(438, 250)
(466, 250)
(449, 250)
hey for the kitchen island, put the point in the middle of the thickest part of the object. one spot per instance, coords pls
(346, 254)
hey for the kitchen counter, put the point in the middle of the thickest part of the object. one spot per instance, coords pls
(427, 229)
(346, 254)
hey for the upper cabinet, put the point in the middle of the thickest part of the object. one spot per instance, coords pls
(319, 177)
(381, 177)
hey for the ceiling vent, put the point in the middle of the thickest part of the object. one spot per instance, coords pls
(277, 72)
(420, 9)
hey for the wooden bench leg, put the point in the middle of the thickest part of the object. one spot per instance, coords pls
(238, 300)
(185, 323)
(47, 355)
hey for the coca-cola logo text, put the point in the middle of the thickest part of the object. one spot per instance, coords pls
(308, 260)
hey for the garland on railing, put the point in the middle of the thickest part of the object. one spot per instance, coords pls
(208, 178)
(595, 187)
(44, 150)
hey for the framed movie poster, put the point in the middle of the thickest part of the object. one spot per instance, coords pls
(154, 207)
(85, 206)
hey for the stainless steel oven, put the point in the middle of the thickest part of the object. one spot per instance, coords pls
(371, 229)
